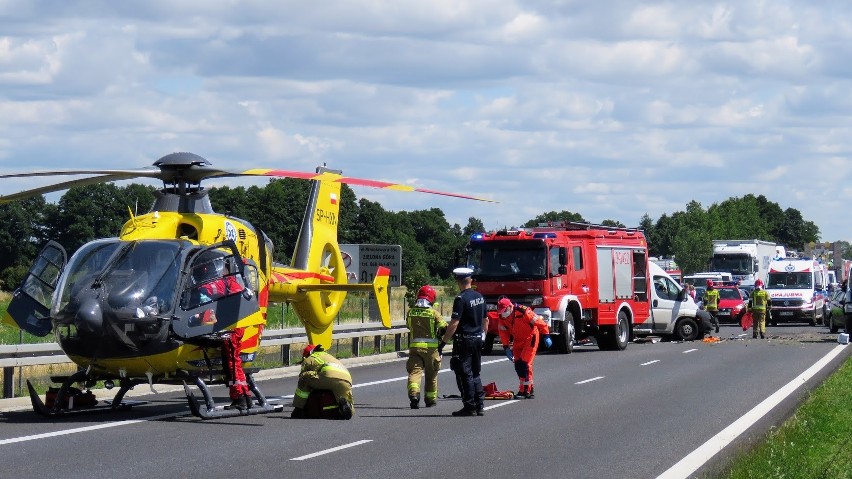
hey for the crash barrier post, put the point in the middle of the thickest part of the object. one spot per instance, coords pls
(18, 355)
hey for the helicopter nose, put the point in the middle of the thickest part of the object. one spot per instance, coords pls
(89, 317)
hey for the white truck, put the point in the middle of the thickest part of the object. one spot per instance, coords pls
(746, 260)
(796, 290)
(700, 279)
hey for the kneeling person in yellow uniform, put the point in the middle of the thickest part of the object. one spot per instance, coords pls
(322, 371)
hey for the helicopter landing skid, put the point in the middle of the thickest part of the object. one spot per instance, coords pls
(209, 410)
(64, 404)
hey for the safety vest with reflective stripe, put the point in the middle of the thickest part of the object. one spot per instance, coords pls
(711, 299)
(759, 300)
(325, 365)
(423, 323)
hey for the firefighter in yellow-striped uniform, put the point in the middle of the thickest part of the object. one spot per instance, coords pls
(426, 327)
(322, 371)
(758, 304)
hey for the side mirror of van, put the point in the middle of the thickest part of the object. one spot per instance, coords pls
(563, 270)
(681, 295)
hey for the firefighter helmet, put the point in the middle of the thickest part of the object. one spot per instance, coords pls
(426, 292)
(308, 350)
(504, 307)
(758, 284)
(709, 283)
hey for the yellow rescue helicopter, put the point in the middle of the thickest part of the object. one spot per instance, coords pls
(162, 302)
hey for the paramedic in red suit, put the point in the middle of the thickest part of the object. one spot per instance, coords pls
(524, 327)
(221, 282)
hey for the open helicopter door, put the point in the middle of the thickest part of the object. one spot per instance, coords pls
(214, 294)
(30, 305)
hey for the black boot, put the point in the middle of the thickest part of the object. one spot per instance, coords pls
(298, 413)
(239, 403)
(345, 408)
(415, 400)
(761, 336)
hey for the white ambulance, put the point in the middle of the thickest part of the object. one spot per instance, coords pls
(796, 290)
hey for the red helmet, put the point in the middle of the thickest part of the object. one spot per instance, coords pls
(758, 284)
(426, 292)
(308, 350)
(709, 283)
(504, 304)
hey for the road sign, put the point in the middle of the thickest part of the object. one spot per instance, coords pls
(361, 261)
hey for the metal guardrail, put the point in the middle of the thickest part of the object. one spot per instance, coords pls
(17, 355)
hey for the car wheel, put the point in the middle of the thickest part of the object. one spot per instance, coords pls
(687, 329)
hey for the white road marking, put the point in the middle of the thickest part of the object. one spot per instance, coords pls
(650, 362)
(502, 403)
(333, 449)
(590, 380)
(86, 429)
(690, 350)
(697, 458)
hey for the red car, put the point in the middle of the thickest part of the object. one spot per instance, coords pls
(732, 305)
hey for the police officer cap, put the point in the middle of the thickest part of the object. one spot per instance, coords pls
(462, 272)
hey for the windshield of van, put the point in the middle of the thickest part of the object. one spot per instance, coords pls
(790, 281)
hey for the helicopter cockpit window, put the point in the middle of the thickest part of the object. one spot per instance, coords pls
(214, 275)
(137, 277)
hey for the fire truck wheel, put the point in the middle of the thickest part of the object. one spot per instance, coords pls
(622, 332)
(488, 345)
(567, 335)
(686, 329)
(615, 338)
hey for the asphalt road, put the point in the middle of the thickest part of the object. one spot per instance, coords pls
(597, 414)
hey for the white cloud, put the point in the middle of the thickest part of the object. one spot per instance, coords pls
(608, 109)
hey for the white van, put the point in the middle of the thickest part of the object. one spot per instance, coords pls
(673, 311)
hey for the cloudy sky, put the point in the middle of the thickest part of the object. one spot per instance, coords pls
(611, 109)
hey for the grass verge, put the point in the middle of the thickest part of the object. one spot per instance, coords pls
(813, 443)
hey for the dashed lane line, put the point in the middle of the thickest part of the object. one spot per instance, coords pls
(333, 449)
(690, 350)
(590, 380)
(650, 362)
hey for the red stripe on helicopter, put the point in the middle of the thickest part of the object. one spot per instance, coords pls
(302, 275)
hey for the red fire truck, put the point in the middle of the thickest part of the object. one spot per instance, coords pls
(584, 279)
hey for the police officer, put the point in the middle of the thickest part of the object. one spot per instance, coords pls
(711, 303)
(467, 324)
(321, 370)
(758, 304)
(426, 327)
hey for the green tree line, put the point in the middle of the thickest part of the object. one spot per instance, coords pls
(429, 242)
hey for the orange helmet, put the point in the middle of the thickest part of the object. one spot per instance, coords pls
(426, 292)
(504, 307)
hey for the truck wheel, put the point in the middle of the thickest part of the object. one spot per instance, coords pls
(567, 335)
(615, 338)
(686, 329)
(622, 332)
(488, 345)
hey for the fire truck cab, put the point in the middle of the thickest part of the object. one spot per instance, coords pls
(584, 280)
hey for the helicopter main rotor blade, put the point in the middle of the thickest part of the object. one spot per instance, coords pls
(62, 186)
(351, 181)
